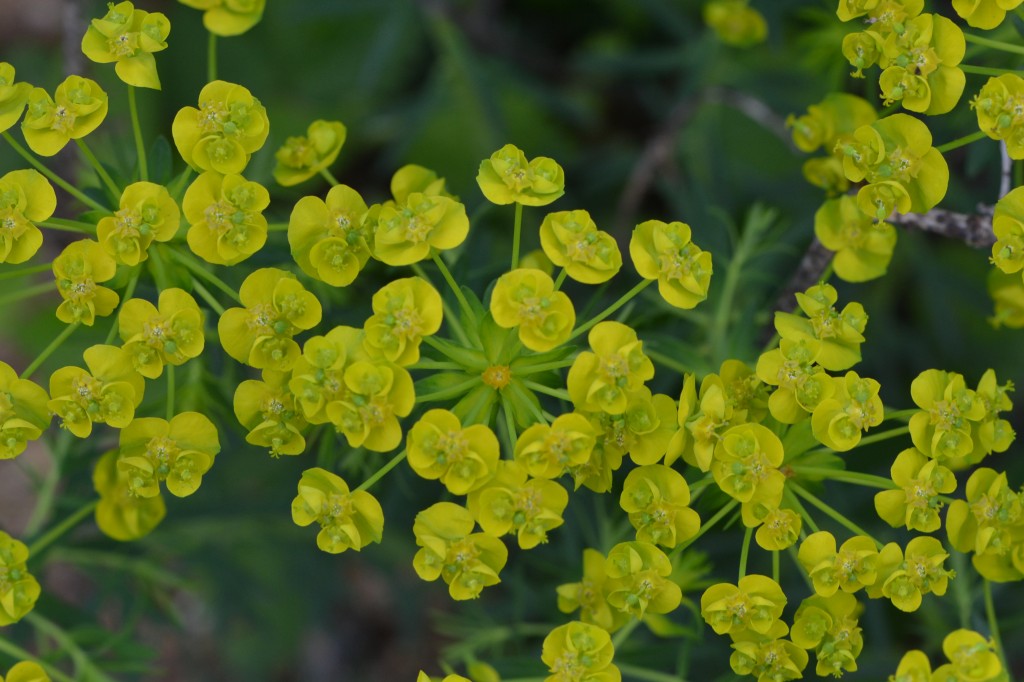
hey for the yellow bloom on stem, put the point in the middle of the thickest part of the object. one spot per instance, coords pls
(852, 567)
(169, 335)
(829, 626)
(121, 514)
(13, 97)
(579, 652)
(832, 119)
(129, 37)
(409, 231)
(23, 412)
(225, 213)
(107, 393)
(735, 22)
(510, 502)
(755, 604)
(972, 659)
(863, 245)
(19, 590)
(840, 420)
(571, 240)
(603, 379)
(802, 384)
(643, 430)
(276, 308)
(228, 17)
(840, 333)
(916, 505)
(904, 577)
(942, 429)
(77, 108)
(147, 213)
(507, 177)
(267, 410)
(590, 595)
(464, 459)
(639, 579)
(779, 529)
(746, 466)
(318, 377)
(27, 671)
(657, 499)
(913, 667)
(79, 270)
(921, 65)
(330, 238)
(348, 520)
(546, 450)
(527, 299)
(176, 453)
(26, 197)
(376, 394)
(466, 561)
(984, 14)
(990, 522)
(404, 311)
(663, 251)
(301, 157)
(221, 135)
(768, 658)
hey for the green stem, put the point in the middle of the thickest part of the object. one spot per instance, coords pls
(84, 666)
(197, 269)
(537, 413)
(994, 44)
(211, 58)
(177, 188)
(170, 392)
(623, 300)
(62, 227)
(439, 262)
(430, 341)
(509, 425)
(646, 674)
(27, 292)
(901, 415)
(205, 294)
(705, 527)
(866, 440)
(794, 501)
(433, 364)
(986, 70)
(720, 324)
(450, 392)
(775, 566)
(667, 361)
(844, 476)
(560, 279)
(115, 191)
(745, 552)
(832, 513)
(49, 350)
(37, 546)
(961, 141)
(395, 461)
(277, 227)
(559, 393)
(140, 146)
(54, 178)
(26, 271)
(624, 632)
(516, 233)
(993, 626)
(527, 369)
(128, 292)
(19, 654)
(326, 174)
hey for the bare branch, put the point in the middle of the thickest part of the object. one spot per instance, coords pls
(974, 229)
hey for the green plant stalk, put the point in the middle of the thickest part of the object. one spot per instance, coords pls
(277, 227)
(326, 175)
(453, 285)
(833, 514)
(104, 176)
(993, 626)
(54, 178)
(537, 413)
(60, 227)
(961, 141)
(994, 44)
(720, 323)
(197, 269)
(177, 188)
(129, 290)
(26, 271)
(433, 364)
(559, 393)
(205, 294)
(721, 514)
(847, 477)
(84, 665)
(667, 361)
(623, 300)
(19, 654)
(788, 495)
(37, 546)
(775, 565)
(451, 391)
(901, 415)
(170, 392)
(382, 472)
(560, 279)
(624, 632)
(27, 292)
(866, 440)
(140, 146)
(646, 674)
(211, 58)
(517, 229)
(49, 350)
(526, 369)
(986, 70)
(510, 425)
(745, 552)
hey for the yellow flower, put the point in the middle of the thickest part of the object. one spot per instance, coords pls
(916, 504)
(19, 590)
(663, 251)
(464, 459)
(267, 410)
(735, 22)
(639, 579)
(277, 307)
(904, 577)
(831, 120)
(229, 125)
(546, 450)
(318, 377)
(228, 17)
(840, 333)
(23, 412)
(376, 394)
(572, 241)
(527, 299)
(579, 652)
(779, 529)
(657, 499)
(850, 568)
(507, 177)
(172, 334)
(330, 239)
(920, 65)
(942, 429)
(644, 429)
(590, 595)
(984, 14)
(27, 671)
(147, 213)
(77, 108)
(121, 514)
(107, 393)
(768, 658)
(511, 503)
(26, 197)
(863, 245)
(802, 383)
(177, 453)
(603, 379)
(839, 421)
(13, 97)
(991, 524)
(79, 269)
(303, 156)
(829, 626)
(404, 311)
(226, 217)
(407, 232)
(972, 658)
(913, 667)
(129, 37)
(746, 465)
(466, 561)
(348, 520)
(754, 605)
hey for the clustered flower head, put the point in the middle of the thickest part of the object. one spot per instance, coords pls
(128, 37)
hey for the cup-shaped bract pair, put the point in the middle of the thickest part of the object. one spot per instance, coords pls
(77, 108)
(348, 519)
(108, 392)
(79, 270)
(467, 561)
(225, 214)
(128, 37)
(303, 156)
(507, 177)
(221, 135)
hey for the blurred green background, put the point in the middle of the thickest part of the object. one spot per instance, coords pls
(651, 117)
